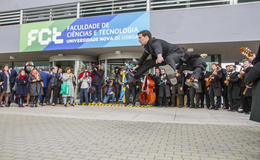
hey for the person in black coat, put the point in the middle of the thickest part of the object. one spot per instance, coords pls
(199, 93)
(253, 77)
(180, 85)
(163, 53)
(1, 85)
(21, 87)
(215, 87)
(164, 88)
(190, 92)
(6, 85)
(131, 87)
(246, 93)
(116, 83)
(186, 88)
(234, 89)
(53, 86)
(173, 88)
(225, 84)
(206, 89)
(13, 75)
(59, 96)
(29, 66)
(98, 77)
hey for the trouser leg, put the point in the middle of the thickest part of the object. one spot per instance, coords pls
(150, 63)
(181, 100)
(212, 96)
(117, 92)
(81, 94)
(86, 95)
(127, 95)
(218, 104)
(35, 101)
(99, 92)
(188, 98)
(173, 99)
(192, 95)
(55, 94)
(48, 95)
(133, 92)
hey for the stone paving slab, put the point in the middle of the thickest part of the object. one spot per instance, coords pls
(153, 114)
(26, 137)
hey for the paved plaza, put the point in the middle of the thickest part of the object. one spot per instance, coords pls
(105, 132)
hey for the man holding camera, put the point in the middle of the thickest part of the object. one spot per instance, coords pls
(116, 83)
(85, 81)
(98, 75)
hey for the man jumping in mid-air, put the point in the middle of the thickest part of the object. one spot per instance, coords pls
(164, 53)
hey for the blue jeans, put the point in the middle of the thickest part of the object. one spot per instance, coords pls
(108, 97)
(65, 100)
(97, 91)
(84, 94)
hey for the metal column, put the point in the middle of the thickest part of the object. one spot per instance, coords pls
(148, 5)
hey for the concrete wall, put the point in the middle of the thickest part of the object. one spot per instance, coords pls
(181, 26)
(9, 38)
(7, 5)
(208, 24)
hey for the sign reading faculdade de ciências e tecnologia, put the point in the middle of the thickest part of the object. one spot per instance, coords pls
(91, 32)
(99, 32)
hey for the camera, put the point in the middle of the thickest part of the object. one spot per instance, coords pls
(117, 70)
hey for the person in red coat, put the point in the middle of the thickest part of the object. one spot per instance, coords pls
(84, 91)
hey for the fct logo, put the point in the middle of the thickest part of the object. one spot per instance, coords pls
(50, 36)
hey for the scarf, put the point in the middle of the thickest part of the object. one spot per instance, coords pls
(35, 75)
(22, 76)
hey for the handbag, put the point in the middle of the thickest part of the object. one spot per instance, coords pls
(42, 84)
(14, 87)
(64, 89)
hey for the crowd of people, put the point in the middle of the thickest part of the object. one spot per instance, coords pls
(222, 88)
(33, 87)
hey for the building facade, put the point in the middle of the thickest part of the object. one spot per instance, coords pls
(80, 33)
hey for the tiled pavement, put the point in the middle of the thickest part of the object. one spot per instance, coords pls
(57, 133)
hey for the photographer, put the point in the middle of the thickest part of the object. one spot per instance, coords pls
(97, 75)
(109, 91)
(131, 87)
(116, 83)
(85, 81)
(53, 86)
(29, 66)
(59, 96)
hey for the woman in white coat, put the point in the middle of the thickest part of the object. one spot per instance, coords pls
(68, 79)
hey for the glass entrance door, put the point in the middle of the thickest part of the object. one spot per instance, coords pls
(73, 64)
(76, 63)
(65, 64)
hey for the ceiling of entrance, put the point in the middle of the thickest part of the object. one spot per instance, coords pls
(228, 50)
